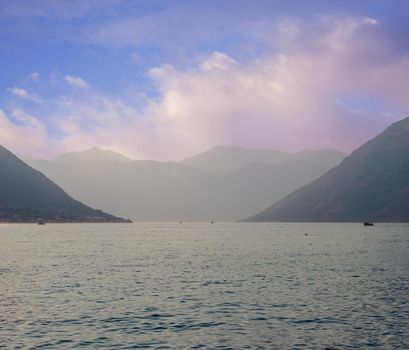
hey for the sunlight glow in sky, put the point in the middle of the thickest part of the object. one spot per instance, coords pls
(168, 79)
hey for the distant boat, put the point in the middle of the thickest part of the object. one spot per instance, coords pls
(212, 222)
(41, 222)
(368, 224)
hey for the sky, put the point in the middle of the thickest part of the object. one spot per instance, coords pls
(169, 79)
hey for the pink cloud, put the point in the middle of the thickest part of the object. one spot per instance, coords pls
(287, 99)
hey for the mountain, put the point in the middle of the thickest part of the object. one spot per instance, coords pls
(151, 190)
(26, 195)
(372, 184)
(224, 159)
(91, 155)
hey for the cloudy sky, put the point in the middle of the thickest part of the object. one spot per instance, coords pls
(168, 79)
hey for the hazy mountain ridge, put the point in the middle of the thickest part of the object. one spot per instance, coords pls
(370, 184)
(224, 159)
(26, 195)
(151, 190)
(91, 155)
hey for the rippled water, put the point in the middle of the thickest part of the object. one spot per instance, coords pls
(220, 286)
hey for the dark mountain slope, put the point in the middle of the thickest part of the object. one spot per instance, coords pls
(26, 194)
(371, 184)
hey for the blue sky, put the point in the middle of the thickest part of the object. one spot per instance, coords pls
(167, 79)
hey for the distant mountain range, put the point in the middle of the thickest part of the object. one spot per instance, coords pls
(92, 154)
(27, 195)
(224, 183)
(372, 184)
(224, 159)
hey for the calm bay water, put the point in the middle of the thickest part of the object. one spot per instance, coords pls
(203, 286)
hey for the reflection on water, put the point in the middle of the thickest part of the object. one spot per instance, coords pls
(199, 286)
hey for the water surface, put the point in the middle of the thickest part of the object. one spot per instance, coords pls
(204, 286)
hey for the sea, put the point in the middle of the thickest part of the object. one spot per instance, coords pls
(204, 286)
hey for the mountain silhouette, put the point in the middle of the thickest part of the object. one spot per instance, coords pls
(27, 195)
(372, 184)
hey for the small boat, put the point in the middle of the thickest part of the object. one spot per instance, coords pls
(41, 222)
(368, 223)
(212, 222)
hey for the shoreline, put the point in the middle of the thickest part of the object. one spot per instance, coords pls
(67, 222)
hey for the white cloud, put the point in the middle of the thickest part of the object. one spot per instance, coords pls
(29, 136)
(369, 20)
(34, 76)
(20, 92)
(28, 120)
(76, 82)
(288, 99)
(219, 60)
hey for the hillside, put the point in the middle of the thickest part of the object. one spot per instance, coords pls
(371, 184)
(26, 195)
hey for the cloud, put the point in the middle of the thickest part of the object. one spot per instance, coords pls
(34, 77)
(28, 128)
(296, 96)
(20, 92)
(76, 82)
(288, 99)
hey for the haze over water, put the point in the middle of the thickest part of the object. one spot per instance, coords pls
(197, 285)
